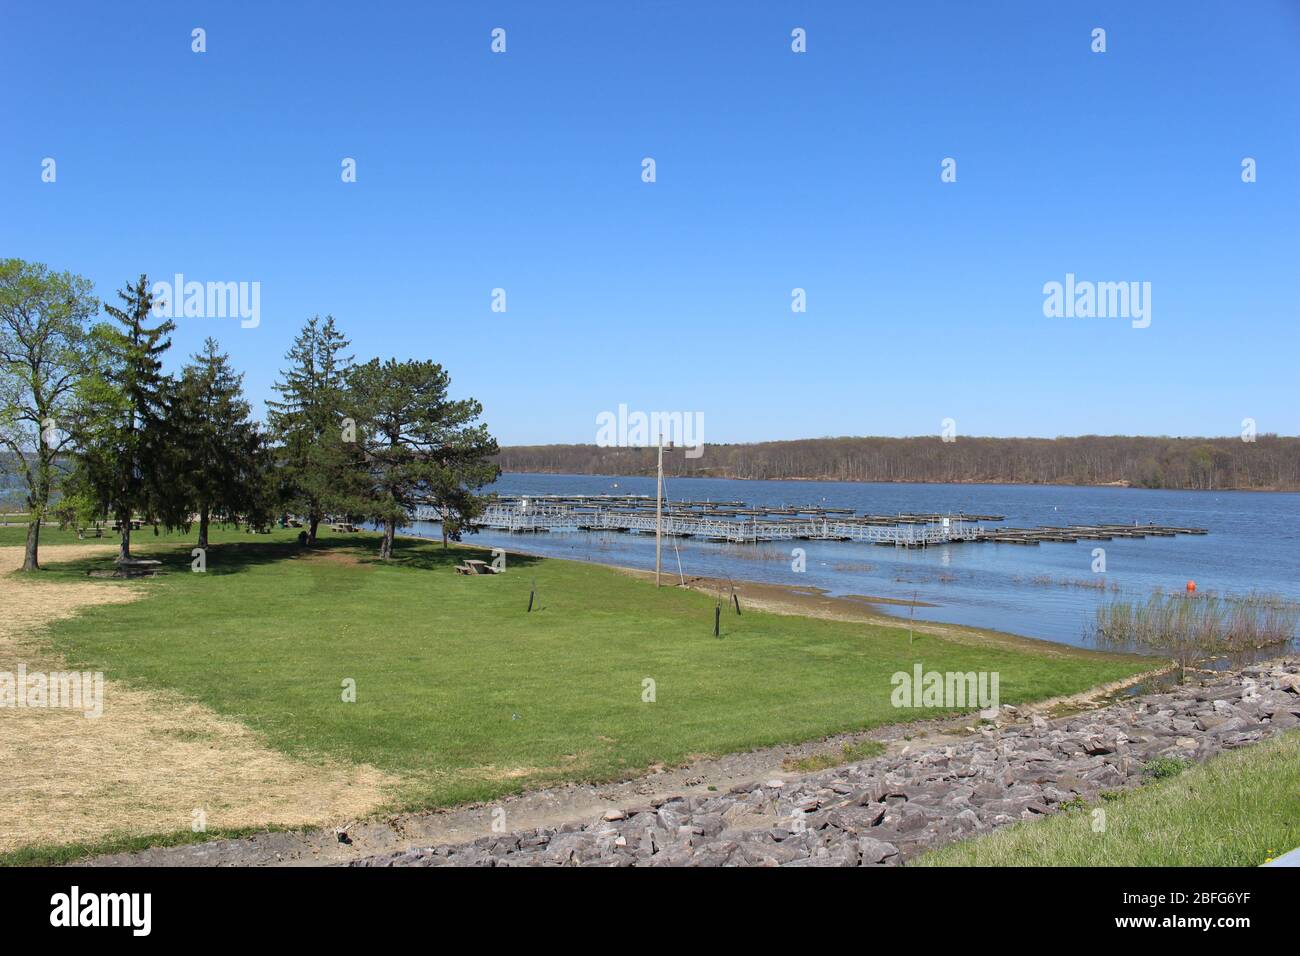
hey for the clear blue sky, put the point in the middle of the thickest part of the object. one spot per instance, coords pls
(775, 170)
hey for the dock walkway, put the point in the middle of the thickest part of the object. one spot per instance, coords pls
(734, 522)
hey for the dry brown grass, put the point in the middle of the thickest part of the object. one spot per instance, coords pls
(153, 758)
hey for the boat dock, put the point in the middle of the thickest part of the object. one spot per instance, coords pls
(736, 523)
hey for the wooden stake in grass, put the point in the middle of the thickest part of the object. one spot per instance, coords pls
(911, 614)
(532, 593)
(717, 619)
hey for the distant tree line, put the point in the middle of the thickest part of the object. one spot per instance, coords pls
(93, 429)
(1270, 462)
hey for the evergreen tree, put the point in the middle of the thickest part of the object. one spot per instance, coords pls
(218, 449)
(316, 449)
(122, 434)
(420, 446)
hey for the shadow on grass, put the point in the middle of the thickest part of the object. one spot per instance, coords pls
(238, 556)
(429, 555)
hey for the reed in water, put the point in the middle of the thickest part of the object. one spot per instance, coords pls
(1197, 626)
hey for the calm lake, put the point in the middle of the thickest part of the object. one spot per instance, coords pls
(1046, 591)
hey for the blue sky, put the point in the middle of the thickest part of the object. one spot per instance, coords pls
(775, 170)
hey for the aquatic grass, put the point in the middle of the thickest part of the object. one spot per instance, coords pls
(1193, 627)
(1098, 583)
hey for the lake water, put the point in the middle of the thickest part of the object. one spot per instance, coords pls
(1253, 545)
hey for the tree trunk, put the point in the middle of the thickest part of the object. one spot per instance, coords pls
(203, 527)
(124, 525)
(30, 556)
(313, 521)
(37, 501)
(390, 531)
(443, 524)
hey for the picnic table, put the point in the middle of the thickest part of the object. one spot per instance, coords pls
(136, 567)
(475, 567)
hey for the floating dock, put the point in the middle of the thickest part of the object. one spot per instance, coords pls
(735, 522)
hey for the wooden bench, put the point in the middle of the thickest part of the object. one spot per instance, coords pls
(345, 528)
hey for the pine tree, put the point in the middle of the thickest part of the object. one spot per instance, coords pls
(317, 455)
(420, 446)
(219, 450)
(123, 434)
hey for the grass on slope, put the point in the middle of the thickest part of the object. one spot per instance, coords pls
(1241, 808)
(467, 696)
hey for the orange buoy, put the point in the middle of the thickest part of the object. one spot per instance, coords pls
(1191, 587)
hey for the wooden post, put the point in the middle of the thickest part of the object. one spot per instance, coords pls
(911, 615)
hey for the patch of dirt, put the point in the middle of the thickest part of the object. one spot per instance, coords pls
(498, 773)
(153, 757)
(331, 556)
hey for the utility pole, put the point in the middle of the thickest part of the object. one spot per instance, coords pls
(659, 507)
(659, 510)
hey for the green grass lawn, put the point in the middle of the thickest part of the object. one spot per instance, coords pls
(1238, 809)
(15, 535)
(467, 696)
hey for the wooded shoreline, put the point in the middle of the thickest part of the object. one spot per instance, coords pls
(1267, 463)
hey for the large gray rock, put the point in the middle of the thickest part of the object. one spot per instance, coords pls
(872, 851)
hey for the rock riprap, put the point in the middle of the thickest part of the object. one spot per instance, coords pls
(884, 811)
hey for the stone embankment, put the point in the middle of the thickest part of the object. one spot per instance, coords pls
(888, 810)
